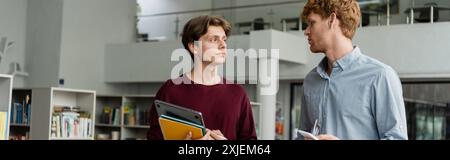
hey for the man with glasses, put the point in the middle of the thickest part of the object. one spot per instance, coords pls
(225, 106)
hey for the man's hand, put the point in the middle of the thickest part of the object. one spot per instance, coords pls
(217, 135)
(210, 135)
(207, 136)
(327, 137)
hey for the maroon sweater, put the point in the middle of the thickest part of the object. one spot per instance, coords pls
(224, 107)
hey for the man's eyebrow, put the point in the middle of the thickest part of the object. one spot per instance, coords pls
(216, 36)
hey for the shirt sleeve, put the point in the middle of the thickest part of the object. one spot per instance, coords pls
(389, 107)
(305, 117)
(154, 133)
(246, 130)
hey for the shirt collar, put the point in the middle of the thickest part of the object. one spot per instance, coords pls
(348, 59)
(343, 63)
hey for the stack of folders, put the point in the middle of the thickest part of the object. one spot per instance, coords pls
(174, 128)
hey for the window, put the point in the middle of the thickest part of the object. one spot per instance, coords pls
(296, 101)
(427, 109)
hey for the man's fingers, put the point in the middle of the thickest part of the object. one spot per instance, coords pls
(217, 136)
(218, 132)
(207, 136)
(189, 136)
(327, 137)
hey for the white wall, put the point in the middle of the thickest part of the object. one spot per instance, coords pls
(44, 19)
(67, 38)
(13, 15)
(88, 25)
(144, 62)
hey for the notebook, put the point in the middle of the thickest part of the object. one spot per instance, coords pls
(179, 112)
(177, 129)
(307, 134)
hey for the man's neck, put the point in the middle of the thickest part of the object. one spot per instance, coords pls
(205, 74)
(342, 47)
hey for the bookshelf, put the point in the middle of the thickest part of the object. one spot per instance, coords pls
(20, 114)
(53, 107)
(104, 125)
(125, 116)
(5, 103)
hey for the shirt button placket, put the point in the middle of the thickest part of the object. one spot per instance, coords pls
(323, 114)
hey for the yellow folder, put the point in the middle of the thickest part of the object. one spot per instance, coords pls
(177, 129)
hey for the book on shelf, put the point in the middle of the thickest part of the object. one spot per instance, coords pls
(128, 113)
(110, 116)
(3, 125)
(116, 116)
(105, 116)
(21, 111)
(136, 115)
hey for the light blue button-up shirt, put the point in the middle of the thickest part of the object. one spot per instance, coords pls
(361, 99)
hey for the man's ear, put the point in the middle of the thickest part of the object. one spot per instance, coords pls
(193, 48)
(333, 20)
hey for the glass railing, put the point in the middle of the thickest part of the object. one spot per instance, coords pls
(284, 16)
(243, 17)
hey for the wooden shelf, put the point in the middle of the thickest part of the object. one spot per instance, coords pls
(19, 125)
(70, 138)
(141, 96)
(108, 125)
(137, 126)
(130, 96)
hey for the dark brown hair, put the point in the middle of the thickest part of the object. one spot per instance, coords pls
(197, 27)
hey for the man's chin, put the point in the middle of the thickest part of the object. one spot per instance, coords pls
(315, 51)
(218, 61)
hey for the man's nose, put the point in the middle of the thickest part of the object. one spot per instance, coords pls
(223, 44)
(307, 31)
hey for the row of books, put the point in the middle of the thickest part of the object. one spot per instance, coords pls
(21, 111)
(110, 116)
(70, 122)
(135, 115)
